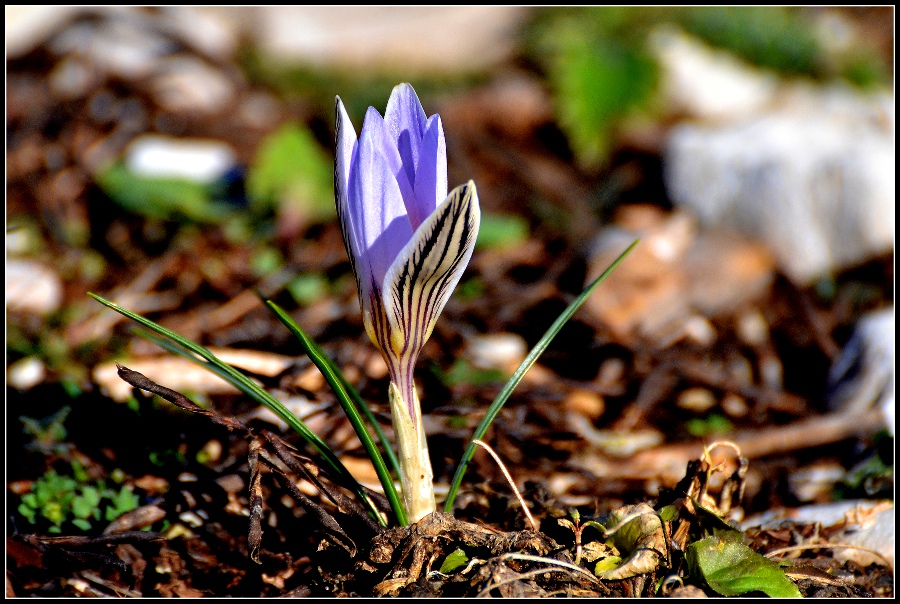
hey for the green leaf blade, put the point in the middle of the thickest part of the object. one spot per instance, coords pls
(351, 407)
(533, 355)
(184, 347)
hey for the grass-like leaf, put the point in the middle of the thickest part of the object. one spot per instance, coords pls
(204, 357)
(352, 404)
(532, 357)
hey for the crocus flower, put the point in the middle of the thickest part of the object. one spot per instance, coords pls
(408, 243)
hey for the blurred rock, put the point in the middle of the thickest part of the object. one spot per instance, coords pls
(613, 443)
(212, 31)
(496, 351)
(123, 43)
(185, 84)
(817, 481)
(202, 161)
(585, 402)
(179, 374)
(26, 373)
(419, 39)
(697, 400)
(866, 524)
(511, 104)
(863, 376)
(702, 82)
(873, 529)
(687, 591)
(676, 277)
(32, 287)
(813, 177)
(29, 26)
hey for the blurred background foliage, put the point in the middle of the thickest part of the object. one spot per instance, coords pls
(601, 71)
(596, 62)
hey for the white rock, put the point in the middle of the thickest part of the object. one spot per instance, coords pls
(877, 533)
(187, 84)
(496, 351)
(26, 373)
(411, 39)
(29, 26)
(867, 524)
(700, 81)
(214, 30)
(32, 287)
(123, 43)
(202, 161)
(814, 178)
(863, 375)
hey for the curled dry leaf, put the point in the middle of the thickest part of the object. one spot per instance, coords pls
(637, 532)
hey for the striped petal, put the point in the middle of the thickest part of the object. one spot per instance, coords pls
(378, 225)
(424, 274)
(345, 144)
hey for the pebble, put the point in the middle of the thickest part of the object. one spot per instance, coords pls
(185, 84)
(26, 373)
(752, 327)
(734, 405)
(863, 374)
(496, 351)
(585, 402)
(696, 399)
(32, 287)
(813, 179)
(401, 39)
(201, 161)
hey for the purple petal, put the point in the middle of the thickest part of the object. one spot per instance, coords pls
(431, 173)
(344, 150)
(377, 216)
(386, 145)
(405, 120)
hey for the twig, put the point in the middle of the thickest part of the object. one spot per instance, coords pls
(667, 463)
(542, 560)
(827, 545)
(531, 520)
(559, 565)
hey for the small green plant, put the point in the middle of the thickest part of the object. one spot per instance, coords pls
(58, 499)
(164, 198)
(463, 372)
(49, 432)
(274, 180)
(603, 75)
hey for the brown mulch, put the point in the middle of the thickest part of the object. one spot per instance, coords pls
(193, 533)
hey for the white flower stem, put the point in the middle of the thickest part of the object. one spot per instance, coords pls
(416, 477)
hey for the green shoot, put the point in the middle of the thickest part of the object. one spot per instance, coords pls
(352, 403)
(204, 357)
(523, 368)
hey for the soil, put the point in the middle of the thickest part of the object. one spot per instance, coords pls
(193, 532)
